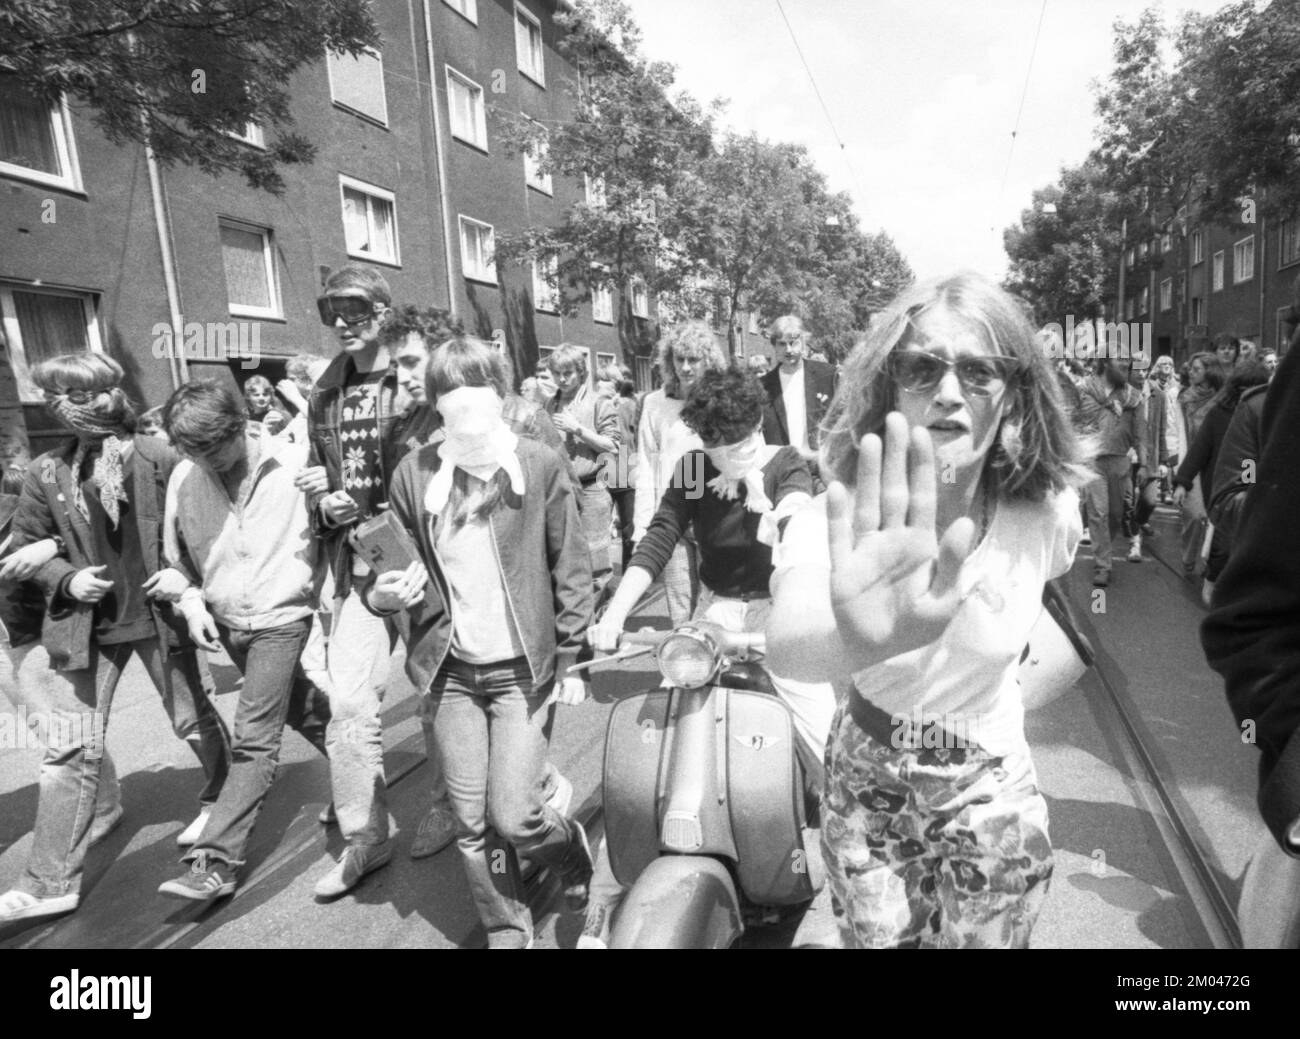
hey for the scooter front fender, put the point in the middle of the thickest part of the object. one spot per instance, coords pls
(679, 902)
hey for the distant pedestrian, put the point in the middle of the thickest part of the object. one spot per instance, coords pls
(589, 424)
(1205, 377)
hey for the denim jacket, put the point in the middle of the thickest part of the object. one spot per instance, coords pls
(540, 551)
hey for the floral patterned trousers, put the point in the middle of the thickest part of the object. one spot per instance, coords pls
(931, 848)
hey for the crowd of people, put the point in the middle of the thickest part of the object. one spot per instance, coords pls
(1160, 436)
(890, 523)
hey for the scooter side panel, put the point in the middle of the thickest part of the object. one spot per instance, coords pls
(765, 791)
(634, 745)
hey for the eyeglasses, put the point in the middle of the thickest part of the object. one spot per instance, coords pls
(354, 310)
(917, 371)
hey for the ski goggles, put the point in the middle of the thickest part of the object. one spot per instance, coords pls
(354, 310)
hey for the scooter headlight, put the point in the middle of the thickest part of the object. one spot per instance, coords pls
(689, 658)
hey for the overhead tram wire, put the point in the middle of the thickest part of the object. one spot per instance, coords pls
(1024, 94)
(853, 174)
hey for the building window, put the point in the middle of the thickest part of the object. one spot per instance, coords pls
(602, 304)
(358, 83)
(468, 113)
(528, 45)
(1216, 271)
(1243, 260)
(249, 262)
(476, 247)
(533, 159)
(1166, 242)
(1167, 294)
(1289, 243)
(468, 8)
(1198, 310)
(1144, 301)
(252, 135)
(369, 221)
(640, 298)
(604, 361)
(753, 322)
(1198, 247)
(1129, 258)
(40, 324)
(36, 138)
(546, 285)
(595, 188)
(1142, 250)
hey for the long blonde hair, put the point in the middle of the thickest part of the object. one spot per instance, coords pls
(1036, 452)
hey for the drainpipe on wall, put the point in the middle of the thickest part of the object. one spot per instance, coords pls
(1263, 273)
(176, 356)
(443, 202)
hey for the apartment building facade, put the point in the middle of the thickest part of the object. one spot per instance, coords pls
(1239, 278)
(180, 275)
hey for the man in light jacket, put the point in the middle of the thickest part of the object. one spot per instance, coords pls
(238, 527)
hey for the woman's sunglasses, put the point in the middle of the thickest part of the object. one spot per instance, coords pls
(917, 371)
(354, 310)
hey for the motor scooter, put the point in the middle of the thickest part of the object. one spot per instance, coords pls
(706, 813)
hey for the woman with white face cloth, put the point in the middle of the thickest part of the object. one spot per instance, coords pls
(738, 491)
(913, 584)
(496, 524)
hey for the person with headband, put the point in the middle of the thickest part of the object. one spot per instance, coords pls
(102, 499)
(913, 584)
(497, 604)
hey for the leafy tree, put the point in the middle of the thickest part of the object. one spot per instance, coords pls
(182, 75)
(1065, 251)
(1242, 65)
(640, 145)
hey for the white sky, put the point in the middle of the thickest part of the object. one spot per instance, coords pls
(923, 93)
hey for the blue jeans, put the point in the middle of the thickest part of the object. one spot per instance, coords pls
(73, 763)
(275, 692)
(492, 727)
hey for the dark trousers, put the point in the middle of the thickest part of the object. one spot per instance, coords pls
(624, 506)
(275, 693)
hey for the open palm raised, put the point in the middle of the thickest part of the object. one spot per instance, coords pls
(893, 583)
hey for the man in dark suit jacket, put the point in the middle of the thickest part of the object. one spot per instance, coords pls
(798, 390)
(1252, 638)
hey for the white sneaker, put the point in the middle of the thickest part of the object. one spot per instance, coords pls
(189, 836)
(1135, 549)
(19, 905)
